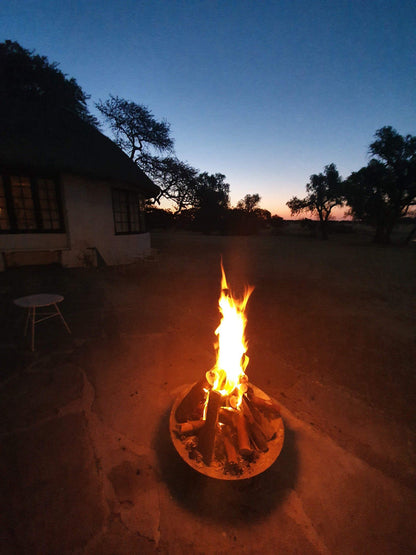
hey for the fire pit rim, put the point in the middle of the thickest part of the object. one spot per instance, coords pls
(264, 461)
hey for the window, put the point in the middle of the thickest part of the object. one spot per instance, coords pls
(29, 205)
(4, 216)
(128, 212)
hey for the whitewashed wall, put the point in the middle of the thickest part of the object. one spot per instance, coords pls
(89, 225)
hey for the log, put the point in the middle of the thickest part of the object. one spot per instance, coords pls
(258, 437)
(207, 433)
(232, 466)
(244, 445)
(270, 406)
(192, 405)
(230, 450)
(189, 427)
(255, 432)
(226, 416)
(261, 420)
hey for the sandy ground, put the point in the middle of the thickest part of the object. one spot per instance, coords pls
(87, 464)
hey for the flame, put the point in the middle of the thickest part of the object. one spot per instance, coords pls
(228, 375)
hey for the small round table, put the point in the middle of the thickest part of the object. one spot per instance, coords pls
(33, 302)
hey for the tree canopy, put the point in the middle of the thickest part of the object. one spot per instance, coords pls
(325, 191)
(249, 202)
(177, 180)
(212, 199)
(30, 81)
(136, 130)
(383, 192)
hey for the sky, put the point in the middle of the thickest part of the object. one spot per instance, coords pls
(265, 92)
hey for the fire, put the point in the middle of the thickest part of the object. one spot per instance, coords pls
(228, 375)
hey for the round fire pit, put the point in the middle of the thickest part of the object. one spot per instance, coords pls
(216, 469)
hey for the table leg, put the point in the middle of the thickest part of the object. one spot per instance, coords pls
(33, 328)
(27, 320)
(62, 318)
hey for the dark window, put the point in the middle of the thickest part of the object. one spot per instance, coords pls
(4, 216)
(128, 212)
(29, 204)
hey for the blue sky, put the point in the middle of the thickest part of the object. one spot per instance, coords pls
(264, 92)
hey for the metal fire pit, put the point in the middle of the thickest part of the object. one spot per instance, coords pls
(216, 470)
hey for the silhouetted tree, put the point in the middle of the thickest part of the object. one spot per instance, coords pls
(143, 138)
(30, 82)
(249, 202)
(136, 131)
(177, 180)
(277, 223)
(212, 199)
(384, 191)
(247, 218)
(159, 218)
(325, 191)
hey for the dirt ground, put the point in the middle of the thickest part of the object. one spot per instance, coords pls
(87, 463)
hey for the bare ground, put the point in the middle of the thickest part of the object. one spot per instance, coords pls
(332, 336)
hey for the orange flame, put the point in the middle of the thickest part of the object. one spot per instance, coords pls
(228, 375)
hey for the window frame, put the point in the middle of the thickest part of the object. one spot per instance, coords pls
(35, 184)
(133, 197)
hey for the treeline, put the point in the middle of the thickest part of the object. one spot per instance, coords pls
(226, 221)
(380, 194)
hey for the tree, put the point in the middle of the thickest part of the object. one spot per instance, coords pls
(143, 138)
(31, 83)
(383, 192)
(249, 202)
(212, 199)
(136, 130)
(325, 191)
(177, 181)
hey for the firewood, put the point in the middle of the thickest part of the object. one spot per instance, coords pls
(226, 416)
(192, 405)
(190, 426)
(207, 433)
(258, 437)
(232, 466)
(232, 455)
(265, 425)
(244, 445)
(269, 406)
(255, 432)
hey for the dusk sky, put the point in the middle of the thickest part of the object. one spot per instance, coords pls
(266, 93)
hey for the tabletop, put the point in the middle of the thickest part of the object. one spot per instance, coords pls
(42, 299)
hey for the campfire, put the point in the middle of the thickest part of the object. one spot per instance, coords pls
(224, 426)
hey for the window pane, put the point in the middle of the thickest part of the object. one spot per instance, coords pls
(4, 216)
(22, 199)
(48, 203)
(126, 211)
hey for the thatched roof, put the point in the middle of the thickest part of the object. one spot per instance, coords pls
(62, 143)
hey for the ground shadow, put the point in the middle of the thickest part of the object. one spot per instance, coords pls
(234, 502)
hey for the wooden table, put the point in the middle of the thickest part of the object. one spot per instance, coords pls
(40, 301)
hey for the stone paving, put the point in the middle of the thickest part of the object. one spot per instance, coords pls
(88, 466)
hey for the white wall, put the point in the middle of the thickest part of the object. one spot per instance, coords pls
(89, 224)
(89, 221)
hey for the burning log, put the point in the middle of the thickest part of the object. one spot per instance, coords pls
(206, 440)
(255, 431)
(268, 406)
(192, 406)
(244, 445)
(261, 420)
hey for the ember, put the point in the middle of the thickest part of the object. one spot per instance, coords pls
(223, 426)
